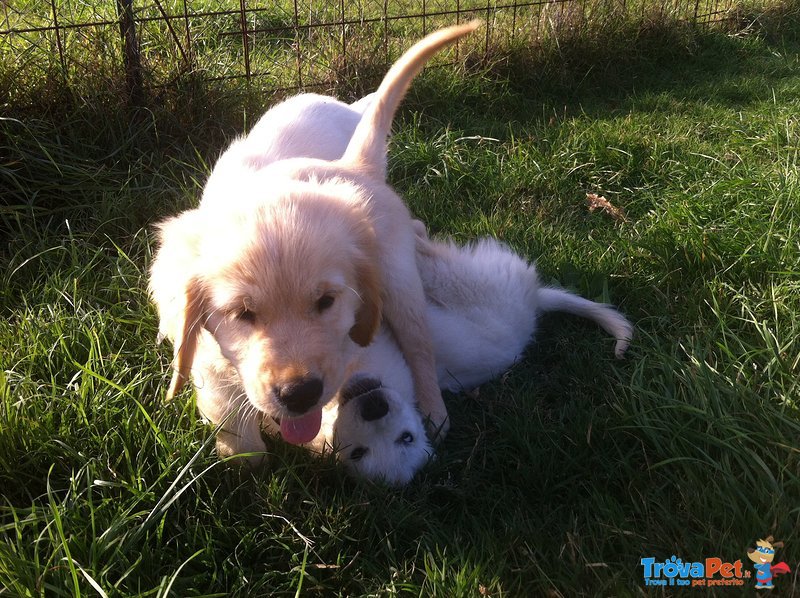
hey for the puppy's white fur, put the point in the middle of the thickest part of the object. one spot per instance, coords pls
(269, 287)
(483, 301)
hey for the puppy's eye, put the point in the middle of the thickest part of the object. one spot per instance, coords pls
(405, 438)
(325, 302)
(358, 453)
(247, 316)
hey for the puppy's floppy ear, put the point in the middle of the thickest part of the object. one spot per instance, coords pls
(368, 315)
(176, 291)
(185, 343)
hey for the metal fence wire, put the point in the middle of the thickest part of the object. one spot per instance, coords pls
(285, 44)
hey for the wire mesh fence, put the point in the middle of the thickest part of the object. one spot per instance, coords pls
(284, 44)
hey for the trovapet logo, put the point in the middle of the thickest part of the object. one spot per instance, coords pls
(709, 572)
(716, 572)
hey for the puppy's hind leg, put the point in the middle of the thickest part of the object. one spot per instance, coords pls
(364, 103)
(608, 318)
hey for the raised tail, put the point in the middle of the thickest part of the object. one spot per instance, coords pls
(367, 147)
(608, 318)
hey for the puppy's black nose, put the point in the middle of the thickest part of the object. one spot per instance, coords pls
(301, 394)
(373, 405)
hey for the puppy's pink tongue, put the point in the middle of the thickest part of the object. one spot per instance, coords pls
(299, 430)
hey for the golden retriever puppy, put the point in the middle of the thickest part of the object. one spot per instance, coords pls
(268, 289)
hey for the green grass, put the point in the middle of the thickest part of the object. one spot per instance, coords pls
(560, 476)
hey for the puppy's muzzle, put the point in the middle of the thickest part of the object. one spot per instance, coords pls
(357, 385)
(299, 395)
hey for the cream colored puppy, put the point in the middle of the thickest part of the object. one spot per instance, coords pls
(483, 303)
(268, 289)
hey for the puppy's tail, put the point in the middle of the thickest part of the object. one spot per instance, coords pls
(608, 318)
(367, 146)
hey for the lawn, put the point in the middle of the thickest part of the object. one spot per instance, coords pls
(560, 476)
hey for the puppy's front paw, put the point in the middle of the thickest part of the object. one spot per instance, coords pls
(434, 412)
(241, 451)
(437, 424)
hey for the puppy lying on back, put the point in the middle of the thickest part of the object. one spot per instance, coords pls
(483, 302)
(287, 267)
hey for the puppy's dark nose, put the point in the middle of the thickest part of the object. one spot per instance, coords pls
(373, 405)
(299, 395)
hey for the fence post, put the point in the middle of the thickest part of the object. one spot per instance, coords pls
(245, 38)
(132, 56)
(59, 45)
